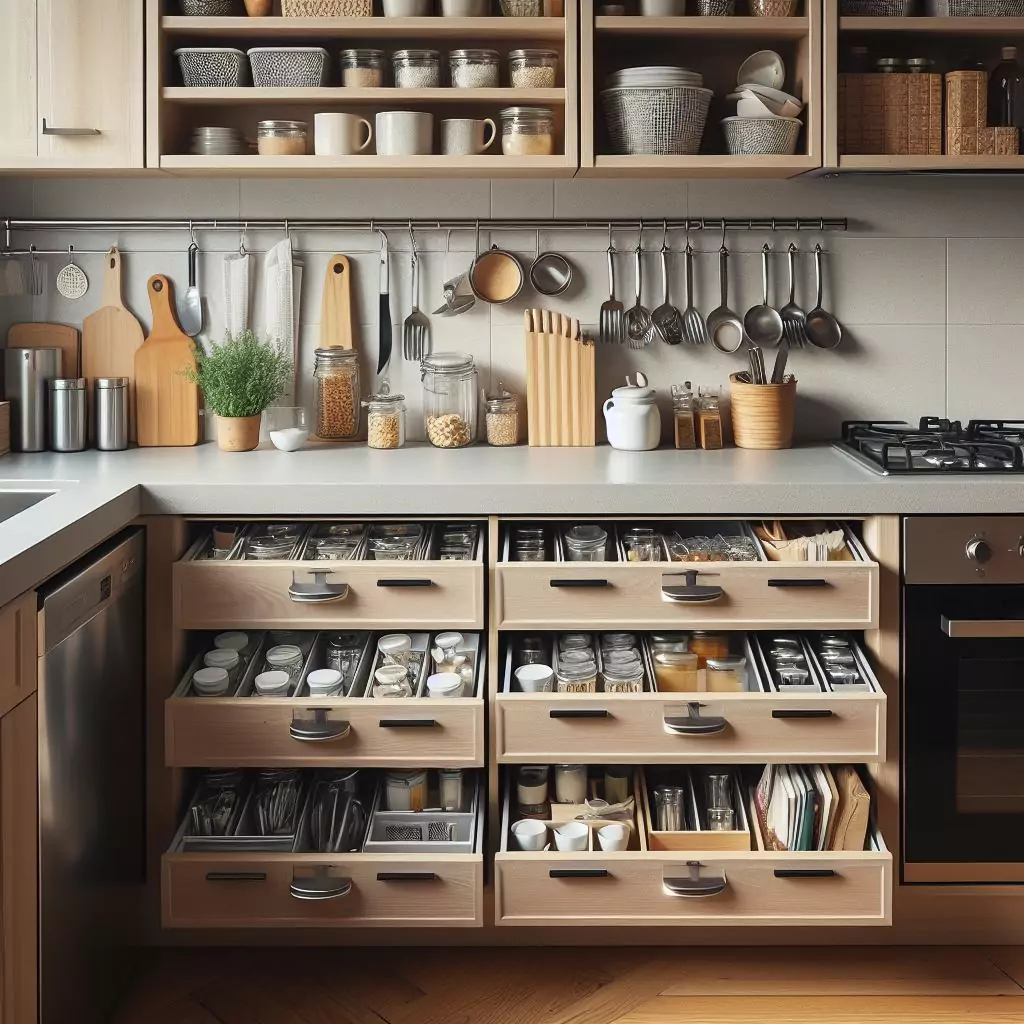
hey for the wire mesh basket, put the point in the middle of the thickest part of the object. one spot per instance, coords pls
(207, 67)
(656, 121)
(327, 8)
(769, 136)
(876, 8)
(288, 67)
(716, 8)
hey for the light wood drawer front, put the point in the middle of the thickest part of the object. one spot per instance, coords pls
(647, 889)
(664, 729)
(763, 595)
(256, 890)
(18, 624)
(225, 595)
(266, 732)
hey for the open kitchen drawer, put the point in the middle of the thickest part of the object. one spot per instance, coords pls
(662, 593)
(700, 886)
(311, 587)
(761, 724)
(247, 730)
(290, 888)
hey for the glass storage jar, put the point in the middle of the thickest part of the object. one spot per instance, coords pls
(336, 386)
(385, 419)
(362, 69)
(281, 138)
(586, 544)
(533, 69)
(576, 677)
(405, 791)
(726, 675)
(527, 131)
(285, 658)
(682, 415)
(623, 676)
(709, 645)
(676, 672)
(449, 399)
(709, 420)
(416, 69)
(474, 69)
(501, 417)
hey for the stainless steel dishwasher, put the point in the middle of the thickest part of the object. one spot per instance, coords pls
(91, 780)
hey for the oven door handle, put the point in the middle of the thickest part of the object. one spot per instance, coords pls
(982, 629)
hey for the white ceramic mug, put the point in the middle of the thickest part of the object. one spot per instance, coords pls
(530, 834)
(467, 136)
(572, 837)
(404, 133)
(535, 678)
(338, 134)
(613, 837)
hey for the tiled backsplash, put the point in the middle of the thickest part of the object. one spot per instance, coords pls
(926, 282)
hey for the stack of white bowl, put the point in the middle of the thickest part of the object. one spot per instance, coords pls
(767, 119)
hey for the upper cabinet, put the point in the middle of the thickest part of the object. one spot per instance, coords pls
(72, 76)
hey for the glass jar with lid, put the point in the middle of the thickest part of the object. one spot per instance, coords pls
(709, 419)
(474, 69)
(726, 675)
(285, 658)
(449, 399)
(527, 131)
(682, 415)
(501, 417)
(416, 69)
(709, 645)
(385, 418)
(533, 69)
(362, 69)
(586, 544)
(673, 643)
(576, 677)
(888, 65)
(336, 393)
(281, 138)
(676, 672)
(622, 676)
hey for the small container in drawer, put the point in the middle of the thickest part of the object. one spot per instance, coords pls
(619, 594)
(359, 730)
(430, 590)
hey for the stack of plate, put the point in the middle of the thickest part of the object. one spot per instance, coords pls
(655, 78)
(766, 121)
(210, 141)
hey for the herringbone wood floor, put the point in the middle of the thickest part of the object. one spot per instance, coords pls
(906, 985)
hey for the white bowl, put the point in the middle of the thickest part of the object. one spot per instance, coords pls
(765, 67)
(530, 834)
(535, 678)
(762, 101)
(572, 836)
(613, 837)
(444, 684)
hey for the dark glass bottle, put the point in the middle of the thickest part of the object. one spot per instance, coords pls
(1006, 91)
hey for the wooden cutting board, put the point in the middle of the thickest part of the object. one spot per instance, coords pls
(111, 336)
(167, 405)
(336, 304)
(50, 336)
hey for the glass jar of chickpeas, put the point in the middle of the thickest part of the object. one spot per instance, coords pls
(336, 386)
(385, 419)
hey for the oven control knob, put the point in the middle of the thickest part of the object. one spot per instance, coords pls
(979, 550)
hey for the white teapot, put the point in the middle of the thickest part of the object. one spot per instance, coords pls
(632, 417)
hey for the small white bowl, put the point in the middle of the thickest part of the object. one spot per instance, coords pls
(210, 682)
(776, 102)
(530, 834)
(572, 837)
(444, 684)
(613, 837)
(535, 678)
(765, 67)
(273, 684)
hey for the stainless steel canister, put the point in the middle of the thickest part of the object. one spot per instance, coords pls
(27, 376)
(110, 413)
(67, 414)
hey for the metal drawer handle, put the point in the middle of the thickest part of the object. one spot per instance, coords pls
(319, 591)
(319, 730)
(805, 873)
(801, 713)
(579, 873)
(408, 723)
(406, 876)
(695, 724)
(579, 713)
(69, 132)
(982, 629)
(236, 876)
(320, 888)
(695, 887)
(405, 583)
(797, 582)
(688, 591)
(579, 584)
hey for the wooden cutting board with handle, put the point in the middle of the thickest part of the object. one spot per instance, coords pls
(60, 336)
(167, 405)
(111, 336)
(336, 305)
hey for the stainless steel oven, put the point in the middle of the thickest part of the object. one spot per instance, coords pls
(963, 700)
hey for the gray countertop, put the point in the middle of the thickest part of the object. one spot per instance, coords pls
(99, 492)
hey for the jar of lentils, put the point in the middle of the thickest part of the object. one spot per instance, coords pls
(449, 399)
(385, 419)
(416, 69)
(362, 69)
(527, 131)
(501, 416)
(336, 384)
(474, 69)
(533, 69)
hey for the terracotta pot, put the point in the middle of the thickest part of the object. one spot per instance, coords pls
(238, 433)
(259, 8)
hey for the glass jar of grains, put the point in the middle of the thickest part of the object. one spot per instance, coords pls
(682, 415)
(416, 69)
(527, 131)
(502, 417)
(676, 672)
(474, 69)
(385, 419)
(576, 677)
(336, 386)
(533, 69)
(362, 69)
(449, 399)
(281, 138)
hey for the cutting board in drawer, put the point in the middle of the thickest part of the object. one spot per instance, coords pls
(211, 594)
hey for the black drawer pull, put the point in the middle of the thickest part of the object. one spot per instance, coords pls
(579, 584)
(405, 583)
(797, 582)
(801, 713)
(406, 876)
(236, 876)
(408, 723)
(578, 713)
(805, 873)
(579, 873)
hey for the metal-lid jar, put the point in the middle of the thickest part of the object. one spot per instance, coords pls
(449, 399)
(474, 69)
(533, 69)
(281, 138)
(501, 417)
(362, 69)
(416, 69)
(527, 131)
(385, 418)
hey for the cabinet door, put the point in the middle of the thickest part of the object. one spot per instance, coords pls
(18, 78)
(91, 83)
(19, 858)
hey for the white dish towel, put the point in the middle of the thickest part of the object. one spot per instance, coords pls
(236, 292)
(282, 274)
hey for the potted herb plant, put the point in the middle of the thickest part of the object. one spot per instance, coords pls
(240, 377)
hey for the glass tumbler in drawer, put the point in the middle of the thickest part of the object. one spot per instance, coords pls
(586, 544)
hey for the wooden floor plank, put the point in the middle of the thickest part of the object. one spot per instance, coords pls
(185, 1011)
(1009, 959)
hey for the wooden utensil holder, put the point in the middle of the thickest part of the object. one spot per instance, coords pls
(763, 415)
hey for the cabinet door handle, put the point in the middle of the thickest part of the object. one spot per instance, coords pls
(797, 583)
(320, 888)
(579, 873)
(805, 873)
(406, 876)
(319, 591)
(801, 713)
(695, 886)
(407, 723)
(319, 730)
(69, 132)
(579, 713)
(694, 724)
(405, 583)
(579, 584)
(683, 588)
(236, 876)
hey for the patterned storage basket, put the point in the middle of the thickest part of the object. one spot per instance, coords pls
(208, 8)
(288, 67)
(962, 8)
(716, 8)
(770, 136)
(876, 8)
(327, 8)
(207, 67)
(656, 122)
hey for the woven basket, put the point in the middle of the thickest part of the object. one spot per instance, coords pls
(773, 8)
(208, 8)
(522, 8)
(327, 8)
(656, 122)
(876, 8)
(963, 8)
(716, 8)
(210, 67)
(288, 67)
(763, 415)
(767, 136)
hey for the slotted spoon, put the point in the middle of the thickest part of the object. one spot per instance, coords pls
(638, 317)
(610, 322)
(693, 323)
(793, 319)
(667, 319)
